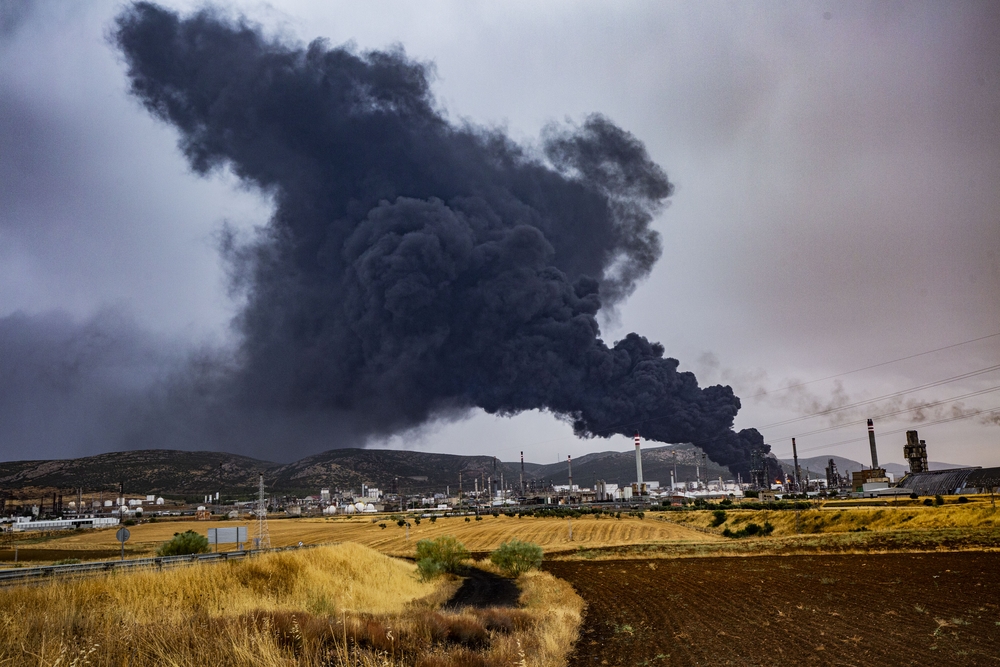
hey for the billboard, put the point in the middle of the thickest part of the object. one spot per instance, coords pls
(234, 535)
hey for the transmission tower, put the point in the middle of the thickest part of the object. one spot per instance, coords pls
(261, 539)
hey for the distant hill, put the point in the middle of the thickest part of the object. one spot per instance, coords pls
(191, 474)
(141, 471)
(619, 467)
(413, 471)
(817, 466)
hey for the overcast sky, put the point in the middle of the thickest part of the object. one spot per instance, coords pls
(837, 207)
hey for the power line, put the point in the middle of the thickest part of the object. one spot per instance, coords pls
(903, 430)
(884, 363)
(922, 406)
(612, 430)
(929, 385)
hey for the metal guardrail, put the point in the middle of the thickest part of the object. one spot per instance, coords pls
(34, 574)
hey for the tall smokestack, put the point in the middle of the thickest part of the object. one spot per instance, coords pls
(871, 442)
(569, 462)
(795, 462)
(522, 473)
(638, 462)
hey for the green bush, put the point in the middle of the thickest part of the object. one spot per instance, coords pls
(467, 519)
(929, 502)
(914, 496)
(515, 557)
(938, 500)
(188, 542)
(382, 525)
(444, 554)
(718, 518)
(963, 499)
(479, 518)
(751, 530)
(68, 561)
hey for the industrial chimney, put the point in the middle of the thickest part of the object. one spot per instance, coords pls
(638, 462)
(795, 462)
(871, 442)
(569, 463)
(522, 473)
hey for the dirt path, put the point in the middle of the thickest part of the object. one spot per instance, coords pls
(898, 609)
(484, 589)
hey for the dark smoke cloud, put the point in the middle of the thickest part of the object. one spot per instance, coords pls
(415, 268)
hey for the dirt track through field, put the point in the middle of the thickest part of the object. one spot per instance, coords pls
(484, 589)
(892, 609)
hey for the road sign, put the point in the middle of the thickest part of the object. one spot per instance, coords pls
(122, 536)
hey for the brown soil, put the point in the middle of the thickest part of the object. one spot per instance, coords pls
(898, 609)
(483, 589)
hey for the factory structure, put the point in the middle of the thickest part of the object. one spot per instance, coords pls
(919, 479)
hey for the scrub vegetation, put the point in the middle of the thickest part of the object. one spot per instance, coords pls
(338, 605)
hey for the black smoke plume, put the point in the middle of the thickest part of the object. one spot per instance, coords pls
(415, 267)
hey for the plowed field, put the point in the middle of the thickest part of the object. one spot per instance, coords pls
(889, 609)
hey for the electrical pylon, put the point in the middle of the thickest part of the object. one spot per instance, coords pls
(261, 539)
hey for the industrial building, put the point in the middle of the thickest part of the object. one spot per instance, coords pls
(64, 524)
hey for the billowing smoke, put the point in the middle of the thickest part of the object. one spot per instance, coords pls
(416, 268)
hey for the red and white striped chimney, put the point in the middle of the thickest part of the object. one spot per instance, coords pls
(638, 461)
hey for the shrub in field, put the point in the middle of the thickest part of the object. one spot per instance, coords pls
(188, 542)
(938, 500)
(515, 557)
(963, 499)
(718, 518)
(914, 496)
(444, 554)
(750, 530)
(479, 518)
(929, 502)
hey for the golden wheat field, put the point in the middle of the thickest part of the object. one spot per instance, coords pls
(550, 533)
(333, 606)
(907, 516)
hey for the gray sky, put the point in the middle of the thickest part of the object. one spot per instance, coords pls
(837, 204)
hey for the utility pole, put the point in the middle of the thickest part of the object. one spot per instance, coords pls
(262, 540)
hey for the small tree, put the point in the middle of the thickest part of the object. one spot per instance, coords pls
(718, 518)
(444, 554)
(515, 557)
(188, 542)
(938, 500)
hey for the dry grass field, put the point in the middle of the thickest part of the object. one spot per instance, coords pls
(332, 606)
(840, 518)
(478, 536)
